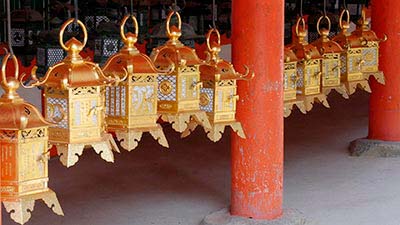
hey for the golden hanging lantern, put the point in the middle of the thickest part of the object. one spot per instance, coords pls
(290, 79)
(308, 68)
(351, 58)
(331, 52)
(74, 100)
(370, 49)
(24, 151)
(179, 91)
(131, 107)
(218, 95)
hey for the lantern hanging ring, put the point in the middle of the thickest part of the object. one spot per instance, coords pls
(319, 24)
(169, 22)
(303, 24)
(347, 13)
(5, 83)
(123, 24)
(210, 32)
(62, 30)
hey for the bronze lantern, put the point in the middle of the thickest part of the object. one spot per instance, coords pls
(179, 91)
(24, 152)
(290, 79)
(218, 95)
(74, 100)
(370, 50)
(131, 107)
(331, 52)
(351, 58)
(308, 68)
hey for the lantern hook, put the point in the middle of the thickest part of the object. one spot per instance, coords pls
(75, 47)
(346, 13)
(122, 29)
(303, 25)
(5, 83)
(174, 34)
(319, 24)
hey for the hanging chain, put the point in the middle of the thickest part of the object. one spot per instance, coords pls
(345, 5)
(325, 14)
(301, 8)
(9, 28)
(214, 14)
(131, 7)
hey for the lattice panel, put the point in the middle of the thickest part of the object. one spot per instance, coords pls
(54, 55)
(166, 88)
(110, 47)
(370, 56)
(17, 37)
(41, 57)
(343, 68)
(116, 101)
(207, 99)
(57, 108)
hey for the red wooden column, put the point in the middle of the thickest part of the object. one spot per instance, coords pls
(257, 162)
(384, 122)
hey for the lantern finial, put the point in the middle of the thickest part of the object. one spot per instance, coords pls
(11, 84)
(174, 33)
(73, 46)
(130, 39)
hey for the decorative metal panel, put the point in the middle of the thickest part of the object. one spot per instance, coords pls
(166, 88)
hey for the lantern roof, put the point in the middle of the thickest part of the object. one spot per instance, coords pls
(345, 39)
(325, 45)
(129, 59)
(173, 50)
(289, 55)
(73, 71)
(217, 69)
(17, 114)
(301, 48)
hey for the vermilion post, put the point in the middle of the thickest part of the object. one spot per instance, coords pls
(384, 122)
(257, 162)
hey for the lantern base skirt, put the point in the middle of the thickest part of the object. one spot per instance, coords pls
(379, 76)
(130, 139)
(339, 89)
(289, 105)
(20, 209)
(309, 100)
(223, 217)
(374, 148)
(217, 129)
(181, 120)
(70, 153)
(352, 86)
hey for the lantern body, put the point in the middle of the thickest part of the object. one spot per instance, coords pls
(290, 75)
(24, 153)
(76, 114)
(179, 90)
(26, 23)
(331, 52)
(309, 69)
(290, 80)
(74, 100)
(218, 94)
(370, 50)
(131, 107)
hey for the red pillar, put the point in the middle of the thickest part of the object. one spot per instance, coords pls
(384, 122)
(257, 162)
